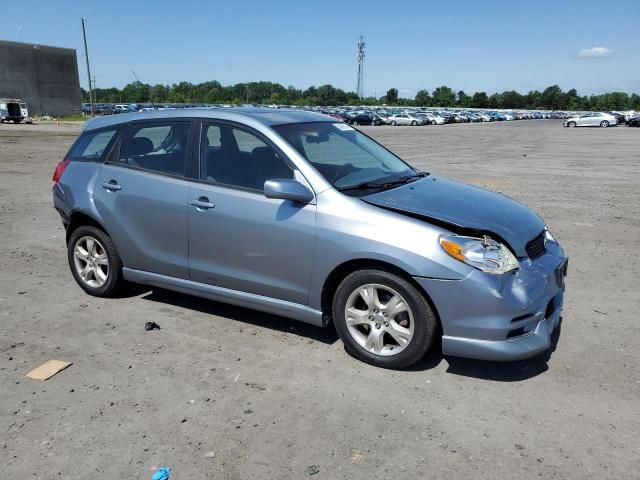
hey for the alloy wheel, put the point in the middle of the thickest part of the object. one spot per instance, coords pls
(91, 261)
(379, 319)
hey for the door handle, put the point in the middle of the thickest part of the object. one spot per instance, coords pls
(202, 203)
(111, 185)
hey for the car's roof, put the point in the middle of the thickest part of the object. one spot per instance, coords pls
(266, 116)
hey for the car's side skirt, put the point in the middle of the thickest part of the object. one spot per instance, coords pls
(226, 295)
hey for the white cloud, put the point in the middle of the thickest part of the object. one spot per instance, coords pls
(595, 52)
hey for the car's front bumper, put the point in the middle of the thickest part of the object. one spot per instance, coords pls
(501, 317)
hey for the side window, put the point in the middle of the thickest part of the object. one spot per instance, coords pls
(160, 147)
(236, 157)
(91, 145)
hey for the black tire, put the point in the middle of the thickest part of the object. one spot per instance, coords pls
(425, 323)
(571, 124)
(115, 281)
(414, 123)
(433, 122)
(393, 123)
(604, 123)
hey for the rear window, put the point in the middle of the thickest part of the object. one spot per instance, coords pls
(92, 145)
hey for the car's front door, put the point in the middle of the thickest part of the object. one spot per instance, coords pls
(238, 238)
(586, 120)
(141, 195)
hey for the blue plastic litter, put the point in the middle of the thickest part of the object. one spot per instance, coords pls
(162, 474)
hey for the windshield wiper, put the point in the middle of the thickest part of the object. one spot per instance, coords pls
(383, 185)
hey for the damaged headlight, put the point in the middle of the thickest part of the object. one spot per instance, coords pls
(548, 236)
(482, 253)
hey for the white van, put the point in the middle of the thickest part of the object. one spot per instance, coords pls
(13, 109)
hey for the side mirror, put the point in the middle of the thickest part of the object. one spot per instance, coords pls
(287, 189)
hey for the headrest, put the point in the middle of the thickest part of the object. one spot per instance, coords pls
(140, 146)
(263, 154)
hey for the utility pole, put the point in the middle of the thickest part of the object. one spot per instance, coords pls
(361, 54)
(86, 57)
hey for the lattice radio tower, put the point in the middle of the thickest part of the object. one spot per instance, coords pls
(361, 54)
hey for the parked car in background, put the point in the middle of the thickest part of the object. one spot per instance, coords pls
(597, 119)
(361, 118)
(435, 118)
(634, 121)
(404, 119)
(620, 117)
(13, 110)
(295, 214)
(381, 118)
(454, 117)
(120, 108)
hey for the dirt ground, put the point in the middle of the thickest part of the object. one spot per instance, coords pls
(224, 392)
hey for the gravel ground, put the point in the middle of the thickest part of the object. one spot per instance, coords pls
(224, 392)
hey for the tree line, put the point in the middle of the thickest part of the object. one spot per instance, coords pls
(551, 98)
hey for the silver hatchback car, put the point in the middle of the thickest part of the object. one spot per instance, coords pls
(296, 214)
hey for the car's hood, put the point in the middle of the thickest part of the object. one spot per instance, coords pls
(464, 208)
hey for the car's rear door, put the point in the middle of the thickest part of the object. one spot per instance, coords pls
(238, 238)
(141, 194)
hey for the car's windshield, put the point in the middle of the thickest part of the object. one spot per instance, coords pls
(343, 155)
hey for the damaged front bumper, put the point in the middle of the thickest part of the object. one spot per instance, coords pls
(501, 317)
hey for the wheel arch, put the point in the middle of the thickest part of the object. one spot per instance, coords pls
(80, 219)
(340, 272)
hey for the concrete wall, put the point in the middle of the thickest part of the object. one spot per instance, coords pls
(46, 78)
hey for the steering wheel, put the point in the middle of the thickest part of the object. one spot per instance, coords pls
(342, 171)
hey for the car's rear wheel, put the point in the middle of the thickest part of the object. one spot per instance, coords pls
(571, 124)
(383, 319)
(433, 122)
(414, 123)
(95, 262)
(604, 123)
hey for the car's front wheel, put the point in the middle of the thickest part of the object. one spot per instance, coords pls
(393, 123)
(604, 123)
(94, 262)
(571, 124)
(383, 319)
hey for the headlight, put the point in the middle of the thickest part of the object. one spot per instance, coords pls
(482, 253)
(548, 236)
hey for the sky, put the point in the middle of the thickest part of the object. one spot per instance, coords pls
(491, 46)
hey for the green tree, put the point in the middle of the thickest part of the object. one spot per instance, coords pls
(268, 92)
(480, 100)
(463, 99)
(495, 100)
(512, 99)
(443, 96)
(552, 97)
(422, 99)
(392, 96)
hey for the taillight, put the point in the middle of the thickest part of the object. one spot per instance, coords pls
(59, 171)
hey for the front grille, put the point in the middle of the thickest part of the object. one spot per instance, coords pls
(537, 247)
